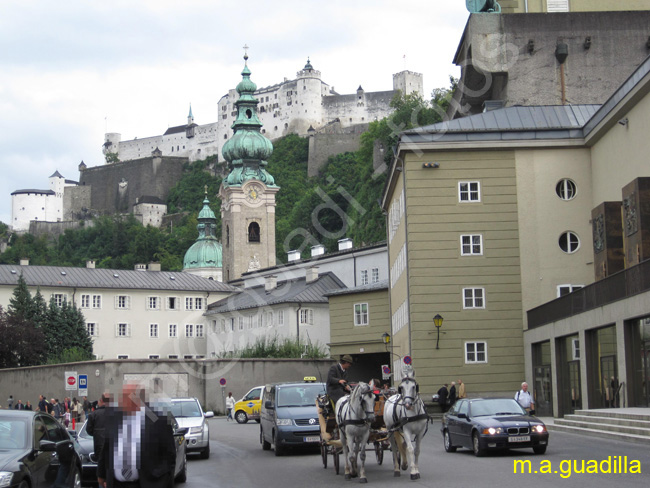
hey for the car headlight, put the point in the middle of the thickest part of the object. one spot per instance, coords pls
(5, 478)
(539, 428)
(493, 431)
(196, 430)
(283, 421)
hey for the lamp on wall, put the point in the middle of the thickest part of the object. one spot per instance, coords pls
(385, 337)
(437, 321)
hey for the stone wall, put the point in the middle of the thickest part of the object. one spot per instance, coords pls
(55, 229)
(76, 202)
(169, 378)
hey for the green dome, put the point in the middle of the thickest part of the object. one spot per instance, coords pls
(246, 85)
(247, 145)
(206, 212)
(206, 252)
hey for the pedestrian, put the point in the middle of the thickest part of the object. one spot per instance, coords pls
(10, 402)
(86, 406)
(461, 389)
(58, 411)
(76, 410)
(452, 394)
(42, 404)
(28, 405)
(138, 448)
(230, 405)
(67, 417)
(96, 425)
(19, 405)
(443, 395)
(337, 379)
(524, 398)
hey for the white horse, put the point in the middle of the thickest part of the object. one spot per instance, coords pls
(407, 420)
(354, 413)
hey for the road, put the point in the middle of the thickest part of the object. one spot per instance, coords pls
(237, 460)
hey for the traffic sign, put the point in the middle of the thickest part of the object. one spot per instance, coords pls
(407, 360)
(385, 372)
(222, 381)
(82, 379)
(70, 380)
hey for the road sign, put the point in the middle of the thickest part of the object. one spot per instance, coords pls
(70, 380)
(407, 360)
(222, 381)
(385, 372)
(82, 379)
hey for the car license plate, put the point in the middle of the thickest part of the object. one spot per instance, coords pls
(311, 438)
(519, 438)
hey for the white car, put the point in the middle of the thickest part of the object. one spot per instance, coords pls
(188, 413)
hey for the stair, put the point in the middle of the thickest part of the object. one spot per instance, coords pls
(617, 424)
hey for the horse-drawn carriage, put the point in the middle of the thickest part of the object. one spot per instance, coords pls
(367, 417)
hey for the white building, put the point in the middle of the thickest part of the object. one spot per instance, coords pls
(41, 205)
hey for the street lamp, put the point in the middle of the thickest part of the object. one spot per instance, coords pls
(437, 321)
(385, 337)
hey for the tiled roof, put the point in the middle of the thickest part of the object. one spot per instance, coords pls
(108, 278)
(289, 291)
(175, 130)
(380, 285)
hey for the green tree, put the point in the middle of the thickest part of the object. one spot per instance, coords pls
(21, 304)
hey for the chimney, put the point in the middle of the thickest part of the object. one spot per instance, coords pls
(90, 264)
(317, 250)
(154, 266)
(140, 267)
(293, 256)
(311, 274)
(24, 262)
(345, 244)
(270, 283)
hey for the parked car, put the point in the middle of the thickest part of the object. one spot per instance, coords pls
(483, 424)
(36, 451)
(189, 414)
(289, 417)
(249, 406)
(89, 457)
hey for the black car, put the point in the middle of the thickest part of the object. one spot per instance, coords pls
(483, 424)
(36, 452)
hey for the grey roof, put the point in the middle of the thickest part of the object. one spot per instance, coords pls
(536, 122)
(380, 285)
(150, 199)
(289, 291)
(61, 276)
(42, 192)
(57, 174)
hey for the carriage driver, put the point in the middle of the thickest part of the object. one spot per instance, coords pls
(337, 379)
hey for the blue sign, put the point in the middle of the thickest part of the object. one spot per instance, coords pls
(82, 380)
(250, 404)
(407, 360)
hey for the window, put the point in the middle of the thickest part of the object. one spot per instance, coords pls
(153, 303)
(569, 242)
(269, 319)
(254, 232)
(122, 302)
(473, 298)
(566, 189)
(172, 356)
(471, 245)
(122, 356)
(475, 352)
(58, 298)
(375, 275)
(364, 276)
(199, 330)
(198, 304)
(199, 356)
(85, 301)
(469, 191)
(306, 316)
(172, 303)
(231, 327)
(188, 356)
(189, 303)
(123, 330)
(241, 323)
(97, 301)
(280, 317)
(93, 330)
(566, 289)
(575, 349)
(153, 331)
(360, 314)
(189, 330)
(173, 330)
(154, 356)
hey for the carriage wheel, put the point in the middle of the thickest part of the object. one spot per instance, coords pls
(323, 453)
(335, 454)
(379, 452)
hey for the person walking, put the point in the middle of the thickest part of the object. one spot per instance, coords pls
(452, 394)
(138, 449)
(58, 411)
(96, 425)
(230, 405)
(42, 404)
(86, 406)
(443, 395)
(524, 398)
(10, 402)
(461, 389)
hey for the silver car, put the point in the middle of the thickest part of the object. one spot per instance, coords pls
(189, 414)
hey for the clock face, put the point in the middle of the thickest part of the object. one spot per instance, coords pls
(253, 193)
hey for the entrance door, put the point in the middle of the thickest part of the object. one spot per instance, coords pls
(575, 392)
(543, 391)
(609, 382)
(645, 371)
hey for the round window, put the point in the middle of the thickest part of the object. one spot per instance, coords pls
(569, 242)
(566, 189)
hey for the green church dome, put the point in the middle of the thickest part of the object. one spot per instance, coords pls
(206, 252)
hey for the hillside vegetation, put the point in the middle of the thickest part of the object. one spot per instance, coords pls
(342, 201)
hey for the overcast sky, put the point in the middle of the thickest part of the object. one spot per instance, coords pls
(71, 71)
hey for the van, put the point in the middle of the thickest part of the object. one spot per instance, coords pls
(248, 408)
(289, 417)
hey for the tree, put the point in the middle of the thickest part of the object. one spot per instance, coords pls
(20, 303)
(22, 343)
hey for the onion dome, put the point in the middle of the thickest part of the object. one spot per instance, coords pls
(206, 252)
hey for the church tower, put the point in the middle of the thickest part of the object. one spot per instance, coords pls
(248, 192)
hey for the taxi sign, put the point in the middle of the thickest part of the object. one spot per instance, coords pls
(309, 379)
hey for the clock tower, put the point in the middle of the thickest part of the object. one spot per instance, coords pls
(248, 192)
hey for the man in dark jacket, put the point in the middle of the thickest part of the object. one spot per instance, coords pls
(452, 394)
(337, 379)
(443, 394)
(97, 422)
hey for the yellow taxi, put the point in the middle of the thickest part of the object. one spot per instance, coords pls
(249, 406)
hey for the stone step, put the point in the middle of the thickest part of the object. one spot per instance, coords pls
(639, 439)
(644, 424)
(616, 413)
(603, 427)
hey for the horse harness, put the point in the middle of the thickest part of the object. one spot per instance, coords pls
(347, 421)
(398, 423)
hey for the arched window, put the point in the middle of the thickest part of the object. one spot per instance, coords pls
(227, 236)
(254, 232)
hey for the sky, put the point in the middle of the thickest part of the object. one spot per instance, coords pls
(71, 71)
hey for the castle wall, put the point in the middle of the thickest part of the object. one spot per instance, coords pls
(56, 229)
(324, 145)
(76, 202)
(150, 213)
(116, 186)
